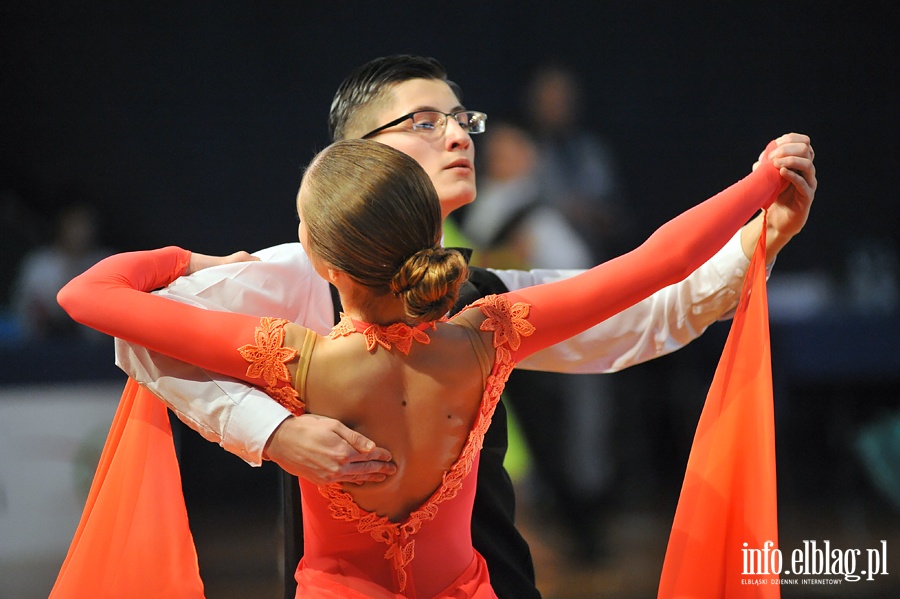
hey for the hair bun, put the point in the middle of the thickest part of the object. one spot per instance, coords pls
(413, 270)
(428, 281)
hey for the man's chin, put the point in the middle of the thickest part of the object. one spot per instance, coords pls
(448, 206)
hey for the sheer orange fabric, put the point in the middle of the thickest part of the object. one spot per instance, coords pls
(728, 501)
(135, 511)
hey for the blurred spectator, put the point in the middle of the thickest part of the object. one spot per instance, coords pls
(510, 223)
(511, 226)
(46, 269)
(577, 169)
(19, 234)
(872, 273)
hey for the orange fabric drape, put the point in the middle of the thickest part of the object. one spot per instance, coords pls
(133, 539)
(728, 510)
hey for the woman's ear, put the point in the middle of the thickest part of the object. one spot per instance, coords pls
(334, 275)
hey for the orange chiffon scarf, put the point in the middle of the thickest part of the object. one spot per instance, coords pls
(729, 501)
(133, 539)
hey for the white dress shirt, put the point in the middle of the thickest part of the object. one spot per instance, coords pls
(283, 284)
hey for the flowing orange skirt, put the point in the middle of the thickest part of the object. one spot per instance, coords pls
(133, 539)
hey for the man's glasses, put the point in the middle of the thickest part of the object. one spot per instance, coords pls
(434, 122)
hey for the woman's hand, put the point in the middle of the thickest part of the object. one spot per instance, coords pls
(201, 261)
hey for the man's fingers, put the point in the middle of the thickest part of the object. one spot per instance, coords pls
(239, 256)
(793, 138)
(357, 441)
(370, 471)
(363, 445)
(372, 468)
(324, 450)
(379, 454)
(795, 179)
(369, 458)
(803, 167)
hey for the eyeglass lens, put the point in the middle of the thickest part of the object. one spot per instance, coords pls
(427, 120)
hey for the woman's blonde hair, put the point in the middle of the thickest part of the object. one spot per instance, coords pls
(372, 212)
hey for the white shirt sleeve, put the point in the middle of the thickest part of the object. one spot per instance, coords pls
(238, 416)
(661, 324)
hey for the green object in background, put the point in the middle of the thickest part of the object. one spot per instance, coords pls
(518, 458)
(878, 448)
(453, 237)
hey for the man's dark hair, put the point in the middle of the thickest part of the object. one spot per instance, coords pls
(369, 83)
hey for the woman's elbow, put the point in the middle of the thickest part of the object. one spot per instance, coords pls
(69, 300)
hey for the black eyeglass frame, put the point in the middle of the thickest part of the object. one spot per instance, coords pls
(447, 116)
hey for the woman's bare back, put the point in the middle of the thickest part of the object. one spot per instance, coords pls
(420, 406)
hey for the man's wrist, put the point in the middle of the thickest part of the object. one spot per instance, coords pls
(273, 440)
(776, 239)
(251, 425)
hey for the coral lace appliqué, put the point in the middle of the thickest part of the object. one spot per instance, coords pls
(398, 334)
(268, 361)
(509, 322)
(509, 325)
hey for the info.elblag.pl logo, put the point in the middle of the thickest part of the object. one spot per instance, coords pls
(819, 560)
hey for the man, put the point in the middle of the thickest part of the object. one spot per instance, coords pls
(408, 103)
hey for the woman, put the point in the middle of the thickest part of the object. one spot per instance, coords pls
(395, 369)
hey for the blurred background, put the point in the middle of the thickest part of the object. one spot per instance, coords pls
(138, 125)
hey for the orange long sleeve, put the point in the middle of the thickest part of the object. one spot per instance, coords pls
(113, 297)
(562, 309)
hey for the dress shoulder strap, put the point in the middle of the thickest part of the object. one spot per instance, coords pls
(481, 352)
(306, 349)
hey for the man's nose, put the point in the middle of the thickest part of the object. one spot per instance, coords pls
(456, 135)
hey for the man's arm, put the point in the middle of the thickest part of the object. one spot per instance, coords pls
(237, 416)
(678, 314)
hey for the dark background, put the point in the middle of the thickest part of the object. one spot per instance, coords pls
(189, 123)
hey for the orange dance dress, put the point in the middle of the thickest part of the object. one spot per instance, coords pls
(349, 551)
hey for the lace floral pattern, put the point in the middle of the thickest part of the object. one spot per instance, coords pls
(399, 334)
(268, 361)
(509, 324)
